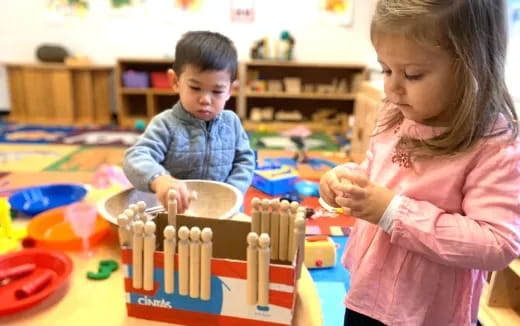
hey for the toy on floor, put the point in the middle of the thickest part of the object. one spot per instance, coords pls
(184, 269)
(29, 276)
(51, 230)
(10, 238)
(320, 252)
(275, 181)
(106, 267)
(34, 200)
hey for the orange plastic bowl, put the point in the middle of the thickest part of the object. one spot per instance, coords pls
(50, 230)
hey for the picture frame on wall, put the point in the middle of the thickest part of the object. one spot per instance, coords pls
(242, 11)
(338, 12)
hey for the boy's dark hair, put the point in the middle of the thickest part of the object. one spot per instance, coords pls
(206, 50)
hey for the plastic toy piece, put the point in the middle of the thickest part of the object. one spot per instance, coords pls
(252, 268)
(275, 228)
(82, 218)
(105, 269)
(59, 264)
(264, 257)
(206, 253)
(256, 216)
(137, 255)
(169, 261)
(16, 272)
(149, 249)
(34, 200)
(320, 252)
(35, 285)
(194, 262)
(184, 247)
(275, 182)
(284, 234)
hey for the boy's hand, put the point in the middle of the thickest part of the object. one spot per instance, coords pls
(363, 199)
(163, 184)
(328, 183)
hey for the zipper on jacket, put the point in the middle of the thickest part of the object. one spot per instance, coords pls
(207, 134)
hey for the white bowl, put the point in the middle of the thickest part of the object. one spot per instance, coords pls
(214, 200)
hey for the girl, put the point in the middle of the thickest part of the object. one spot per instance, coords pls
(437, 198)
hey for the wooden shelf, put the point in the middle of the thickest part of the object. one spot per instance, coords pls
(303, 96)
(327, 89)
(60, 94)
(277, 126)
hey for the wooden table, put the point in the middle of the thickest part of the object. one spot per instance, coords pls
(99, 303)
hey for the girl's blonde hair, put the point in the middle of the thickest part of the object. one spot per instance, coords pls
(475, 33)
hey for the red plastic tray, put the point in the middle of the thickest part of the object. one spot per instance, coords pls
(59, 264)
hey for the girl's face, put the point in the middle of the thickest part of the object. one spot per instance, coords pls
(419, 80)
(202, 93)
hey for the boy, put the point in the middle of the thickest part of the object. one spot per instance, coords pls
(197, 138)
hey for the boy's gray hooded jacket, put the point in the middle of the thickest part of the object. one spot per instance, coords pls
(177, 143)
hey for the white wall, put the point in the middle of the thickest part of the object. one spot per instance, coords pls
(152, 31)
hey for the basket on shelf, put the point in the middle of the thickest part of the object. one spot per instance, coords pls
(161, 80)
(135, 79)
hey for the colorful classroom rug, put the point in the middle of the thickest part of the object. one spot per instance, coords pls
(98, 136)
(102, 137)
(31, 157)
(89, 158)
(34, 134)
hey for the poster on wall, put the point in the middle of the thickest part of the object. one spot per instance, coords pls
(338, 12)
(242, 11)
(59, 9)
(188, 5)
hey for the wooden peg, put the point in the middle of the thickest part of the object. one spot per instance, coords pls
(195, 262)
(284, 231)
(140, 214)
(206, 253)
(124, 231)
(256, 216)
(130, 213)
(263, 269)
(275, 228)
(266, 216)
(252, 268)
(137, 255)
(172, 208)
(169, 258)
(299, 230)
(184, 261)
(292, 216)
(149, 252)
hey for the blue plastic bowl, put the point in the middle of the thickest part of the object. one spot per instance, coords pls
(34, 200)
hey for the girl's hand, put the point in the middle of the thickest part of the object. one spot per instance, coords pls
(329, 181)
(163, 184)
(363, 199)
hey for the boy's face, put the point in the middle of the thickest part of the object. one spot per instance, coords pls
(419, 81)
(203, 93)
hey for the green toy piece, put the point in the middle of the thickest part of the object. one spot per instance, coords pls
(106, 267)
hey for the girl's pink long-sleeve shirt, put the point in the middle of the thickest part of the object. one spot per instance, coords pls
(457, 218)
